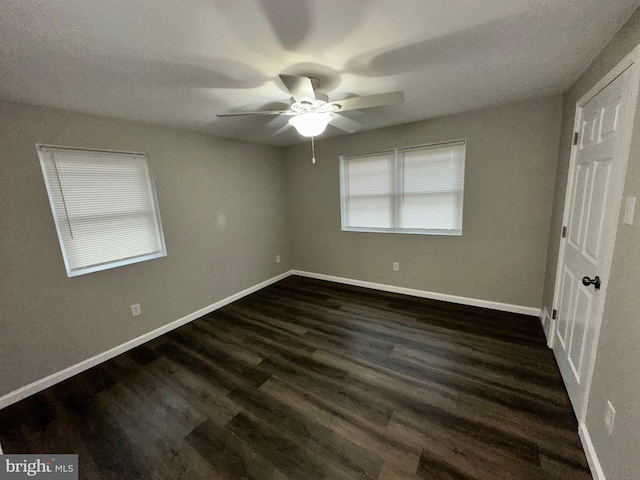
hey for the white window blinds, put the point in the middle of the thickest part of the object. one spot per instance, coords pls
(104, 207)
(410, 190)
(371, 190)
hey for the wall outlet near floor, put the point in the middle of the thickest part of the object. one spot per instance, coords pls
(396, 266)
(609, 417)
(136, 310)
(277, 258)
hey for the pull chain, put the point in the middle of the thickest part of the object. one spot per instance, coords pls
(313, 151)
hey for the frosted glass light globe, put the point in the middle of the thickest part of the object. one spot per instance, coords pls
(310, 124)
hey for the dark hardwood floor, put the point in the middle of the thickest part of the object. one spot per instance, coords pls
(308, 379)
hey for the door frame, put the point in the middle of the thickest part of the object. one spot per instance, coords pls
(632, 62)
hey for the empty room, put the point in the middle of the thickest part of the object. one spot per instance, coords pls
(311, 239)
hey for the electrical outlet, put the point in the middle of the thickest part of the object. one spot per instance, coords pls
(609, 417)
(396, 266)
(277, 258)
(136, 310)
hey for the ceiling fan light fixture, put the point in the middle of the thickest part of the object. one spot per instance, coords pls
(310, 124)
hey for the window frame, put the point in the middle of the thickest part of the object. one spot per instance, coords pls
(397, 193)
(114, 263)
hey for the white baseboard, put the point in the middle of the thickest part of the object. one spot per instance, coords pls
(545, 321)
(551, 335)
(38, 385)
(590, 452)
(549, 327)
(474, 302)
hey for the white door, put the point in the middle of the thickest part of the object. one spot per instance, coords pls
(591, 215)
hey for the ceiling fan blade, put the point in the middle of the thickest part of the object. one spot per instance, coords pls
(380, 100)
(344, 123)
(300, 87)
(265, 112)
(277, 121)
(282, 129)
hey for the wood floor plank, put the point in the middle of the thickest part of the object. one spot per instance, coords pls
(318, 439)
(368, 435)
(308, 379)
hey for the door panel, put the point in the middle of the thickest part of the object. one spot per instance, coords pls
(596, 170)
(577, 210)
(581, 314)
(565, 301)
(610, 117)
(597, 202)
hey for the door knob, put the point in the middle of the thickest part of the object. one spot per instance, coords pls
(586, 281)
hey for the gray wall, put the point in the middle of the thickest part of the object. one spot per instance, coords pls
(616, 376)
(509, 182)
(49, 321)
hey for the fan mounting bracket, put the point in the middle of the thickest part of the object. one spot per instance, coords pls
(315, 81)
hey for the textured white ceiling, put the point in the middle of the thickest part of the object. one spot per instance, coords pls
(179, 62)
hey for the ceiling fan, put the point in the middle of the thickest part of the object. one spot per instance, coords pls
(311, 110)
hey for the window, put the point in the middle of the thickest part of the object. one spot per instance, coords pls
(104, 207)
(406, 190)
